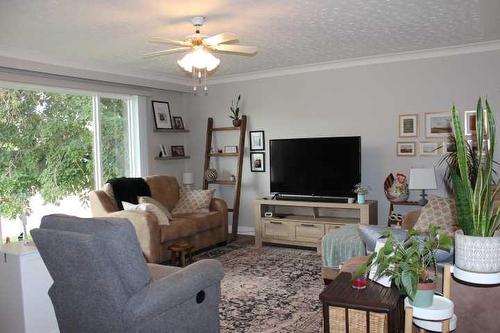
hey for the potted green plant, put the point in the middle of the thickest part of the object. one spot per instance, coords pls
(361, 191)
(410, 264)
(477, 246)
(235, 112)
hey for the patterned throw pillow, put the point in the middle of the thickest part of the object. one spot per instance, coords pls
(193, 201)
(438, 211)
(148, 207)
(157, 204)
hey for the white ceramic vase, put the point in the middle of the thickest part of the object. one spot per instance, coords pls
(477, 254)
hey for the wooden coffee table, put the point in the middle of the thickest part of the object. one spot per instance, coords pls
(374, 309)
(181, 253)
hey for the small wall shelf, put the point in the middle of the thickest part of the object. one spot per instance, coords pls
(226, 129)
(168, 130)
(224, 154)
(223, 182)
(166, 158)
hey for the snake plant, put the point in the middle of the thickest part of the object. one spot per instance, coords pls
(475, 202)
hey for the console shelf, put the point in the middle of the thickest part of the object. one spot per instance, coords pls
(300, 229)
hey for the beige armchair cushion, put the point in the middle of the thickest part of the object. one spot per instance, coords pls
(193, 201)
(184, 225)
(165, 189)
(148, 207)
(158, 204)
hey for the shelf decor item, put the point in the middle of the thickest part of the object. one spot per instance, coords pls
(161, 112)
(235, 112)
(477, 246)
(411, 264)
(396, 188)
(230, 149)
(177, 151)
(211, 175)
(361, 191)
(178, 123)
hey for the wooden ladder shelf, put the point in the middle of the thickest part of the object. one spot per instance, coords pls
(237, 183)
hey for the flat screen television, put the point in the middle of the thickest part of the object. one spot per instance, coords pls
(328, 167)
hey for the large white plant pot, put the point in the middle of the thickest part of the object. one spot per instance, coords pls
(477, 254)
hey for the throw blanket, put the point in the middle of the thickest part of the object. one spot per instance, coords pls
(340, 245)
(129, 189)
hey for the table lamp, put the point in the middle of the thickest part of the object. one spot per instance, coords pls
(187, 179)
(422, 179)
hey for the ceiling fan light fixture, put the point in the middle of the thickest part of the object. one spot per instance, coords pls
(199, 59)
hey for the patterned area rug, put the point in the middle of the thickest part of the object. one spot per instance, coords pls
(272, 290)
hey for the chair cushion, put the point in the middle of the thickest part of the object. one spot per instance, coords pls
(186, 225)
(371, 233)
(193, 201)
(120, 242)
(148, 207)
(164, 189)
(157, 204)
(438, 211)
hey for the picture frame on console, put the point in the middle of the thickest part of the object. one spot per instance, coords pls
(257, 140)
(257, 161)
(162, 116)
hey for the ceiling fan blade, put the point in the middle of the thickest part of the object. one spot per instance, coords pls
(236, 49)
(161, 40)
(165, 52)
(220, 38)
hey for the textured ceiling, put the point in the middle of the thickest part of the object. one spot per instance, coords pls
(112, 35)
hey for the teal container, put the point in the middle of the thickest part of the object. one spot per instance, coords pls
(424, 296)
(361, 198)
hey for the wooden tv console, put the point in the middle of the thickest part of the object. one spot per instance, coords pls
(304, 223)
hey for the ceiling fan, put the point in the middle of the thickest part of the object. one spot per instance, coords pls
(200, 59)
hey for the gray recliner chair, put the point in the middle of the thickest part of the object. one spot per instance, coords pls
(103, 284)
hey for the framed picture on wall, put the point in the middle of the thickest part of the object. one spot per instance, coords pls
(161, 112)
(428, 148)
(408, 125)
(438, 125)
(470, 122)
(258, 162)
(178, 123)
(449, 147)
(405, 148)
(257, 141)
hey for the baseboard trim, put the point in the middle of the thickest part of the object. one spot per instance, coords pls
(243, 230)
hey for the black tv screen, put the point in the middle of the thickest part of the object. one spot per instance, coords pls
(315, 166)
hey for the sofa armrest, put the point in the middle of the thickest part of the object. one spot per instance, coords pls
(101, 204)
(166, 293)
(410, 219)
(147, 229)
(218, 205)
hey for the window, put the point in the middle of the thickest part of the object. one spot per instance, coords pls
(56, 147)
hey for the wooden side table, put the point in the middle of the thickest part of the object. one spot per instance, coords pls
(181, 253)
(376, 309)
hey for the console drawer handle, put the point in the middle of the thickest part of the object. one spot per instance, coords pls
(274, 222)
(308, 225)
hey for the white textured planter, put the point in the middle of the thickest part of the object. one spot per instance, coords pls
(477, 254)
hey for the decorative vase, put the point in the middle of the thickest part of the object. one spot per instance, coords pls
(211, 175)
(424, 295)
(477, 254)
(236, 122)
(361, 198)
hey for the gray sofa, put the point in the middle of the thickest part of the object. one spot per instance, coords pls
(102, 282)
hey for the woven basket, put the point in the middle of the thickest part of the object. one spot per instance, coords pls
(378, 322)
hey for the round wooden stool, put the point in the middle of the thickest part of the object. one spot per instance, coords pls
(181, 254)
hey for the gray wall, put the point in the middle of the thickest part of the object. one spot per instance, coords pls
(364, 100)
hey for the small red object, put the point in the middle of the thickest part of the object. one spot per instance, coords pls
(359, 283)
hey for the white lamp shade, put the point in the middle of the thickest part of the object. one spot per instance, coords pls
(422, 179)
(187, 178)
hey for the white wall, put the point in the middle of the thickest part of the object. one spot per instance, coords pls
(363, 100)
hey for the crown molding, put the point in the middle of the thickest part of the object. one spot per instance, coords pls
(361, 61)
(162, 82)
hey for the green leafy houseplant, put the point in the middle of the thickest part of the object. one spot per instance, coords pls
(410, 263)
(475, 201)
(235, 112)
